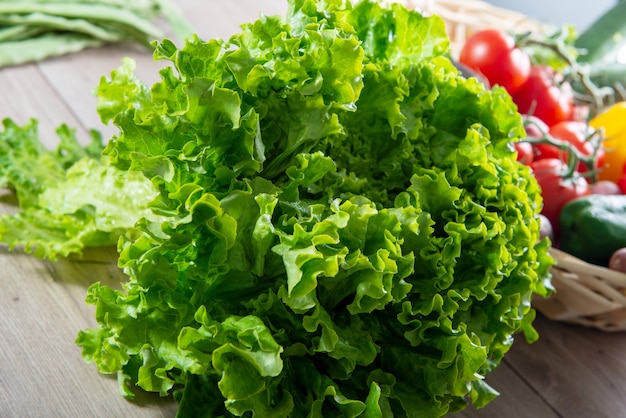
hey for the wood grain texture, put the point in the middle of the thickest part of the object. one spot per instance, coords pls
(27, 94)
(579, 371)
(570, 372)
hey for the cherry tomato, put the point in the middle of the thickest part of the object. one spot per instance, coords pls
(525, 152)
(556, 190)
(544, 97)
(493, 53)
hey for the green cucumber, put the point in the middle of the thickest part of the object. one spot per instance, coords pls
(593, 227)
(608, 73)
(603, 39)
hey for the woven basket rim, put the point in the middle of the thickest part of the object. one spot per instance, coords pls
(585, 294)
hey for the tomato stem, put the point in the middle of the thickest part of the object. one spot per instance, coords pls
(573, 156)
(597, 97)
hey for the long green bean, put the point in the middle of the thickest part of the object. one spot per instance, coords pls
(146, 8)
(58, 23)
(41, 47)
(31, 30)
(18, 33)
(92, 12)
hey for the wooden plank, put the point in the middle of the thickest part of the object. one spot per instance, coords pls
(578, 371)
(571, 371)
(27, 94)
(517, 399)
(42, 373)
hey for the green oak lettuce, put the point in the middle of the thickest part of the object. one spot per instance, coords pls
(67, 198)
(340, 226)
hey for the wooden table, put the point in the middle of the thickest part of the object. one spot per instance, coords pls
(570, 372)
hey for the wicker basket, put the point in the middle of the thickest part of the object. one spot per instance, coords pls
(585, 294)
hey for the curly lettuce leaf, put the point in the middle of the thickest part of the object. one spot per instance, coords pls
(28, 167)
(67, 198)
(343, 229)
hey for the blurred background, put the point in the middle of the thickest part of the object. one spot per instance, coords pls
(579, 13)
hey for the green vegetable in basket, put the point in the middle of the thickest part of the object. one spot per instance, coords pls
(593, 227)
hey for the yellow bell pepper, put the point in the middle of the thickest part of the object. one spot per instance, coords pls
(613, 121)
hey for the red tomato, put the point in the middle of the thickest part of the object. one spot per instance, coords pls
(543, 96)
(493, 53)
(525, 152)
(556, 190)
(576, 133)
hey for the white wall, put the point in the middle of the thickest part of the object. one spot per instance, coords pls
(579, 13)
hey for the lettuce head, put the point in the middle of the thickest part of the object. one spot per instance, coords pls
(339, 227)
